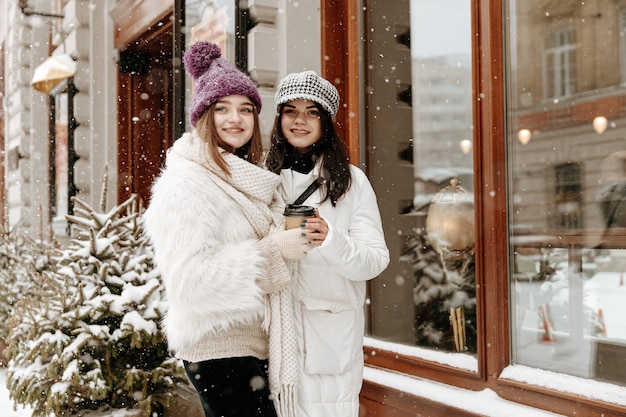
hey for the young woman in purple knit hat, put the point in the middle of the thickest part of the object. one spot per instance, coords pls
(215, 222)
(347, 236)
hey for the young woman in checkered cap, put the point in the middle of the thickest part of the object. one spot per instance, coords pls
(215, 220)
(348, 241)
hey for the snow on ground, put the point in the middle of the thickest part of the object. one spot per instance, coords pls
(7, 409)
(6, 405)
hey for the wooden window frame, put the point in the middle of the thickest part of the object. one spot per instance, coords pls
(340, 64)
(340, 61)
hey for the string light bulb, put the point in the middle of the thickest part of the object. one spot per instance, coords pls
(599, 124)
(523, 135)
(466, 146)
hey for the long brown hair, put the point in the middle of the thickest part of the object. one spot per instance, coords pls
(253, 150)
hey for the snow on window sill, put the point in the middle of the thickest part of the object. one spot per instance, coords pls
(582, 387)
(485, 403)
(456, 360)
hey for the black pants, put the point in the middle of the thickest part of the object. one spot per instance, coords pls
(232, 387)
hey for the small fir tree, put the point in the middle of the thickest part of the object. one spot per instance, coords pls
(439, 287)
(90, 338)
(22, 260)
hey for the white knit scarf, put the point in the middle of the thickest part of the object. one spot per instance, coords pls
(283, 352)
(255, 190)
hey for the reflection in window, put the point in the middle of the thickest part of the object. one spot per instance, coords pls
(60, 188)
(560, 58)
(568, 195)
(443, 273)
(567, 188)
(218, 21)
(417, 111)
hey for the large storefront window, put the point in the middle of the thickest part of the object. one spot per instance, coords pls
(567, 186)
(420, 160)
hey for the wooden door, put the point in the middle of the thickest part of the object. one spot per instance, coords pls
(145, 114)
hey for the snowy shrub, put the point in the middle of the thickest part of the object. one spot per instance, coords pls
(90, 337)
(439, 286)
(22, 260)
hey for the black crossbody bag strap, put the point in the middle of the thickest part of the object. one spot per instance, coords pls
(314, 185)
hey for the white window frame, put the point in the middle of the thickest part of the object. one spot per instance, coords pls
(563, 72)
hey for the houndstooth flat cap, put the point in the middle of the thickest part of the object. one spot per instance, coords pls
(307, 85)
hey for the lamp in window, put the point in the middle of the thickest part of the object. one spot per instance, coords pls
(450, 220)
(52, 71)
(450, 229)
(599, 124)
(466, 146)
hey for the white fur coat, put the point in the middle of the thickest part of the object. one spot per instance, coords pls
(206, 246)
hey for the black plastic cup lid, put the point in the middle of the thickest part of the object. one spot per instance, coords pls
(298, 211)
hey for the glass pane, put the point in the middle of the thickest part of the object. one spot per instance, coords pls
(421, 138)
(567, 187)
(213, 21)
(444, 294)
(60, 210)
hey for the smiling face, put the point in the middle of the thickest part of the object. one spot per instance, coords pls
(233, 118)
(300, 123)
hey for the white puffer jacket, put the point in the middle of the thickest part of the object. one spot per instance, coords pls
(330, 295)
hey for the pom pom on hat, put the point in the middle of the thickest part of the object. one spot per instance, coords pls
(215, 78)
(307, 85)
(199, 57)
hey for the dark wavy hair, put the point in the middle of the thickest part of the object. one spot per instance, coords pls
(335, 160)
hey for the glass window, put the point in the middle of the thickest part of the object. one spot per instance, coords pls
(566, 188)
(60, 207)
(220, 21)
(62, 155)
(420, 161)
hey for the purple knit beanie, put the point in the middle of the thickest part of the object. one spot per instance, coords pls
(215, 78)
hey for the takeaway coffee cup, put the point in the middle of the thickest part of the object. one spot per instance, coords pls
(295, 213)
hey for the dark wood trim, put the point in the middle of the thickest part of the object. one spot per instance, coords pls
(340, 65)
(490, 189)
(149, 59)
(133, 17)
(381, 401)
(410, 365)
(124, 133)
(556, 401)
